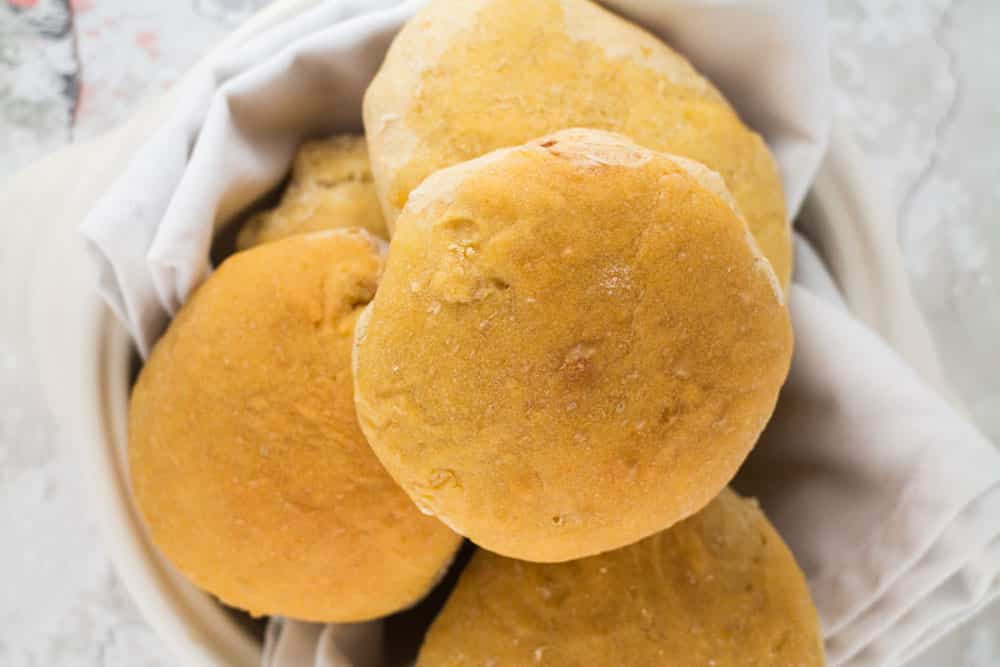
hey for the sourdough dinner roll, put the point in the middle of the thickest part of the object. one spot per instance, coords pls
(575, 345)
(246, 458)
(464, 78)
(720, 588)
(331, 188)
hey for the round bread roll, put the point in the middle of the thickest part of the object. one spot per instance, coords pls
(464, 78)
(331, 188)
(720, 588)
(575, 344)
(246, 458)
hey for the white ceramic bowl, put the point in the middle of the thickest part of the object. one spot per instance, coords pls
(84, 358)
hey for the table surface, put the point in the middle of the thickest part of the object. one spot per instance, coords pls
(918, 82)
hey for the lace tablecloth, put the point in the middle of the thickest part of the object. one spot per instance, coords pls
(918, 81)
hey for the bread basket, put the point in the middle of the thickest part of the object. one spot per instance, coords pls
(87, 375)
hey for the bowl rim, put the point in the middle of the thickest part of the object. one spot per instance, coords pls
(195, 627)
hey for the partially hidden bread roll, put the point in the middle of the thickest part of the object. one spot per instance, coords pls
(330, 188)
(720, 588)
(575, 345)
(246, 459)
(464, 78)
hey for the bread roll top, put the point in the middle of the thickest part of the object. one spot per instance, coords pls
(246, 458)
(720, 588)
(464, 78)
(575, 345)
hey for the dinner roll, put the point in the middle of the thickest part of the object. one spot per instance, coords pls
(464, 78)
(246, 458)
(720, 588)
(575, 345)
(330, 188)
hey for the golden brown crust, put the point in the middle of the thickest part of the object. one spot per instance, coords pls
(720, 588)
(463, 79)
(575, 345)
(331, 188)
(246, 458)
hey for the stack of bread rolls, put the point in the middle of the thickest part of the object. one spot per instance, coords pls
(548, 316)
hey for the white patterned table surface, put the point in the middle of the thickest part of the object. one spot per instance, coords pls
(917, 80)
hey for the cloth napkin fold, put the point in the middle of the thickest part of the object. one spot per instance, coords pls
(883, 491)
(887, 496)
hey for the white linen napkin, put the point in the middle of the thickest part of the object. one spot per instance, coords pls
(885, 494)
(889, 499)
(297, 644)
